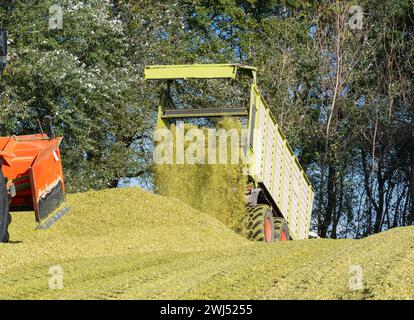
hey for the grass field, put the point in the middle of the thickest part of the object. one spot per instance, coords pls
(130, 244)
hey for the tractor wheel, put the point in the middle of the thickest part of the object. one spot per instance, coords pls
(5, 217)
(281, 229)
(260, 225)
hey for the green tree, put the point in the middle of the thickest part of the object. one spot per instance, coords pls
(83, 77)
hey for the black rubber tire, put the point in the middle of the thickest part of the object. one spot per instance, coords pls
(281, 225)
(5, 217)
(257, 217)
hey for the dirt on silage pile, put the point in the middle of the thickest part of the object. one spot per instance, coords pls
(218, 189)
(131, 244)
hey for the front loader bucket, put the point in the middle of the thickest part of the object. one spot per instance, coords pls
(32, 163)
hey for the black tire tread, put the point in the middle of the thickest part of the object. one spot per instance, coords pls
(254, 223)
(280, 223)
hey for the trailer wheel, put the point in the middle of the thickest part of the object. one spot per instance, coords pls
(260, 225)
(281, 229)
(5, 217)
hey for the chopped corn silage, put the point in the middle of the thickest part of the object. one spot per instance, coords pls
(218, 189)
(131, 244)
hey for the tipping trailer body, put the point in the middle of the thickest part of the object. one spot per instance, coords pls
(277, 170)
(273, 166)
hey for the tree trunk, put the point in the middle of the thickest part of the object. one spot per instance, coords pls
(380, 208)
(337, 211)
(330, 208)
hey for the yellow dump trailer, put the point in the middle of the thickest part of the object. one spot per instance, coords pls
(279, 193)
(276, 170)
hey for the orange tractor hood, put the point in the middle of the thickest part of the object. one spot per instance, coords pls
(32, 164)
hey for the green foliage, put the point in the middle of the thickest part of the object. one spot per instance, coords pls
(83, 77)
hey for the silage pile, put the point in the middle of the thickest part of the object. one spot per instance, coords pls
(217, 189)
(131, 244)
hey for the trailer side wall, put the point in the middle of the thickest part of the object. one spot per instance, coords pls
(274, 166)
